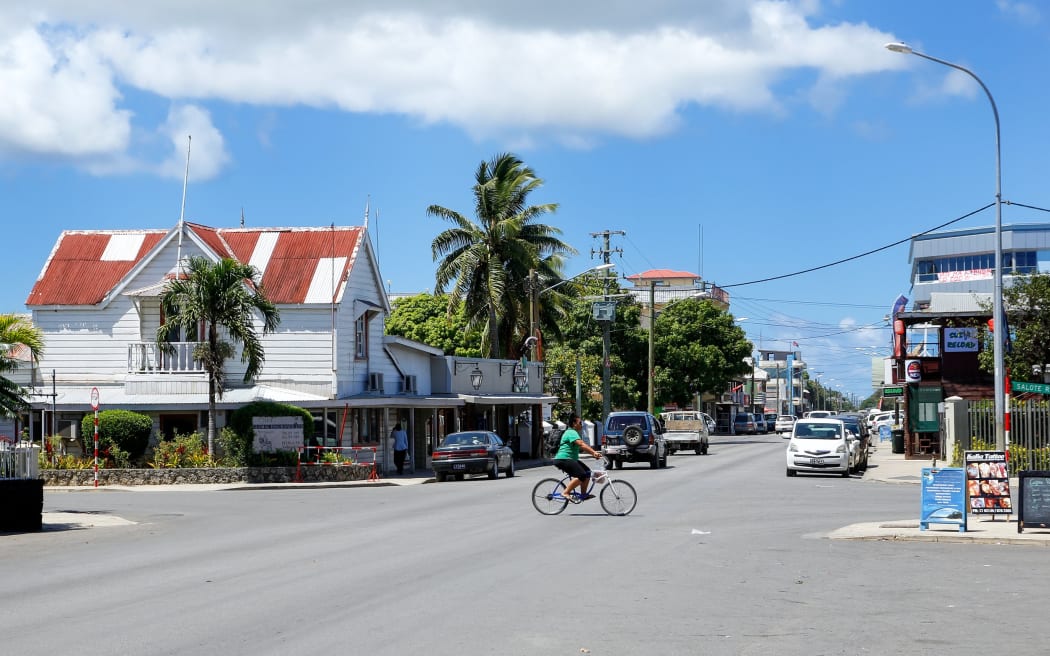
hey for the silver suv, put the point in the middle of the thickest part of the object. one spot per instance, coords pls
(634, 437)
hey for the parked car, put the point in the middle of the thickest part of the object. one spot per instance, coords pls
(771, 421)
(819, 445)
(854, 426)
(472, 452)
(784, 425)
(744, 424)
(761, 428)
(711, 425)
(634, 436)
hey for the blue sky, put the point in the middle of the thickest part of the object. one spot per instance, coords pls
(737, 139)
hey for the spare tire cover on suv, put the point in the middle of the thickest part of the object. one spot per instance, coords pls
(633, 435)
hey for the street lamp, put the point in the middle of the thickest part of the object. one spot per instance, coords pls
(998, 336)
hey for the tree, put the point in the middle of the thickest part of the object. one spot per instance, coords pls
(1027, 304)
(487, 261)
(16, 333)
(581, 336)
(424, 318)
(213, 297)
(698, 350)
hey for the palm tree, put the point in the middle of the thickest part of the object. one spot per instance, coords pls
(223, 295)
(487, 261)
(16, 333)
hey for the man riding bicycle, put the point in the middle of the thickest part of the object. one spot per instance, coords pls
(567, 459)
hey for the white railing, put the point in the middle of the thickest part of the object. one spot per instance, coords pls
(147, 357)
(19, 460)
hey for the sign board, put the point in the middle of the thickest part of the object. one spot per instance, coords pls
(277, 434)
(885, 433)
(1033, 504)
(960, 340)
(987, 483)
(943, 497)
(897, 390)
(1037, 388)
(603, 310)
(912, 371)
(94, 398)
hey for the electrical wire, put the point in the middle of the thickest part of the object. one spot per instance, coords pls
(857, 257)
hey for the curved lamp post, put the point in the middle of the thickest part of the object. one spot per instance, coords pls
(998, 336)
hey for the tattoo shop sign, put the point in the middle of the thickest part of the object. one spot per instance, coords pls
(277, 434)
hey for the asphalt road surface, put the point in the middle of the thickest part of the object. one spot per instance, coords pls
(723, 555)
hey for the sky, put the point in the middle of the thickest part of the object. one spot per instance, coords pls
(740, 140)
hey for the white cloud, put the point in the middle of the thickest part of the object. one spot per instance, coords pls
(571, 72)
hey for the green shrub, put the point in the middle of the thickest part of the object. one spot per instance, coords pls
(239, 444)
(235, 450)
(182, 451)
(120, 432)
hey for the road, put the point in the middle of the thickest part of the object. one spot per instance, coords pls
(723, 555)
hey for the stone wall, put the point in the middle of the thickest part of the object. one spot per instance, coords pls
(213, 475)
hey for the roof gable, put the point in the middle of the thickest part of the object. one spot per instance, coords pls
(298, 265)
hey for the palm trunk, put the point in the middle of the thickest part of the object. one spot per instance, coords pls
(211, 417)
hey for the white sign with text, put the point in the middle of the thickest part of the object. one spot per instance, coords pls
(960, 340)
(277, 434)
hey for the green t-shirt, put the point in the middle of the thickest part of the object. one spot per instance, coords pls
(568, 448)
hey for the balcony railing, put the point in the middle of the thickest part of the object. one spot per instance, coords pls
(148, 358)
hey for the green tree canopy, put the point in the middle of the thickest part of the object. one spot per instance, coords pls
(1027, 303)
(424, 318)
(698, 349)
(486, 262)
(16, 332)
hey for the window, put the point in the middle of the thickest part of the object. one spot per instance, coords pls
(361, 337)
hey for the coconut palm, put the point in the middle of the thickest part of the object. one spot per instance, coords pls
(17, 334)
(487, 261)
(221, 296)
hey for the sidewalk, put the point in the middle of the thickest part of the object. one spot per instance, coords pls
(884, 466)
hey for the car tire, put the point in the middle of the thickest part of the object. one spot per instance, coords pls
(459, 477)
(618, 463)
(654, 462)
(791, 472)
(440, 478)
(700, 450)
(704, 448)
(845, 474)
(510, 469)
(633, 435)
(494, 472)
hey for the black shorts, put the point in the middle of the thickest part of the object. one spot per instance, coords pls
(573, 468)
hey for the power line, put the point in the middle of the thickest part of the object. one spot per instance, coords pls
(857, 257)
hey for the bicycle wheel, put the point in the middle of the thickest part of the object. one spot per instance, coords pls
(542, 496)
(618, 497)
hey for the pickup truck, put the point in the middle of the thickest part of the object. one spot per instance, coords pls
(686, 430)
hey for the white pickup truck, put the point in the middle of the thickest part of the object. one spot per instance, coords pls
(685, 430)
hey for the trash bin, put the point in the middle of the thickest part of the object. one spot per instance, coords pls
(898, 441)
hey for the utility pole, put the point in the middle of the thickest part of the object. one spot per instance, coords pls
(534, 313)
(652, 342)
(605, 252)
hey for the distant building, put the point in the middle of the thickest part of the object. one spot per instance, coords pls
(668, 286)
(953, 270)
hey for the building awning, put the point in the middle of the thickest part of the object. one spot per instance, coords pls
(507, 399)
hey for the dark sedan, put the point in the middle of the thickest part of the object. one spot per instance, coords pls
(472, 452)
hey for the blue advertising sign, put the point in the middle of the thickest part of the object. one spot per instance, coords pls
(943, 497)
(885, 432)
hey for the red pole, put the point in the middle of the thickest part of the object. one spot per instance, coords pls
(1006, 415)
(96, 447)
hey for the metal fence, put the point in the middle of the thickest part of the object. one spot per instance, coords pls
(19, 461)
(1029, 432)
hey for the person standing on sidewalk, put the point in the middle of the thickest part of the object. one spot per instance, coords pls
(400, 447)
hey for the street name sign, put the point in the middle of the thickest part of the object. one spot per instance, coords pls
(1037, 388)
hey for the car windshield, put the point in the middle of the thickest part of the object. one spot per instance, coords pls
(818, 431)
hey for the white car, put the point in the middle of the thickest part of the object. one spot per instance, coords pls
(820, 445)
(784, 425)
(818, 414)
